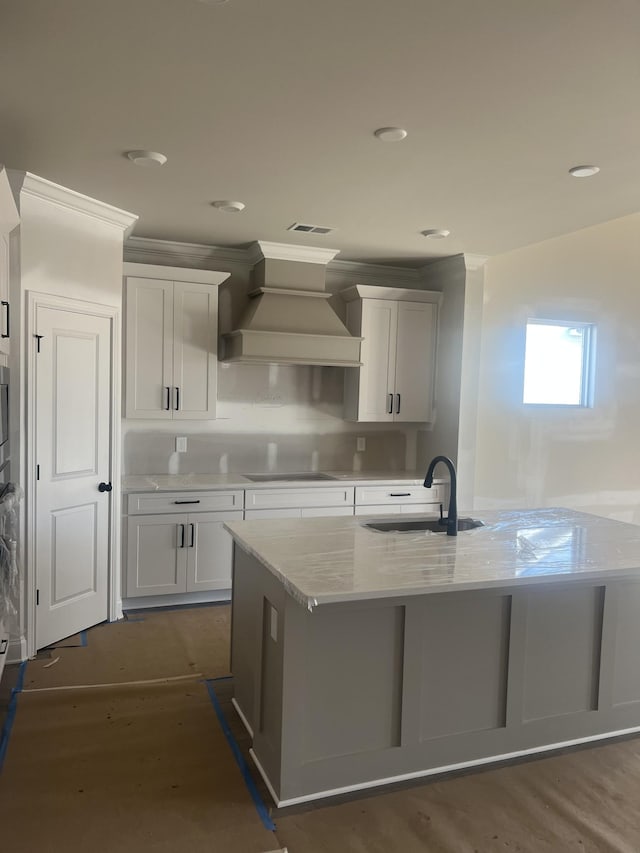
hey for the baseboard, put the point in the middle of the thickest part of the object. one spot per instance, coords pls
(214, 596)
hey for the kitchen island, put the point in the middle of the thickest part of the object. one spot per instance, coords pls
(361, 658)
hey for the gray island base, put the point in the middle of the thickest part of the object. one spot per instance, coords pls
(361, 658)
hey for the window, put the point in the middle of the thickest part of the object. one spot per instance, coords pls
(558, 363)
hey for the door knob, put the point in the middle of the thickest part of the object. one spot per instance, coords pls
(105, 487)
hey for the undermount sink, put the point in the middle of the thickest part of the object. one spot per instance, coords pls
(292, 478)
(417, 524)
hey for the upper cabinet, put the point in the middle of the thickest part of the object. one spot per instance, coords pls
(396, 380)
(171, 342)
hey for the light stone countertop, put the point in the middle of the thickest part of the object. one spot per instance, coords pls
(329, 560)
(187, 482)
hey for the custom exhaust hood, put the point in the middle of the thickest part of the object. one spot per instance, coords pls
(289, 319)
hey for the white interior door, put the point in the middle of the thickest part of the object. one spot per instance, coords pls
(72, 440)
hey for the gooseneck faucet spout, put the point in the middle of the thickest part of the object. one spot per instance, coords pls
(452, 515)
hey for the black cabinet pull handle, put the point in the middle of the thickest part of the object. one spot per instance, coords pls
(105, 487)
(168, 403)
(390, 407)
(187, 502)
(7, 318)
(4, 645)
(181, 545)
(193, 535)
(398, 405)
(177, 399)
(399, 494)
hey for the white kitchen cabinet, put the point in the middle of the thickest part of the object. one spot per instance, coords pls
(300, 512)
(171, 342)
(4, 645)
(297, 498)
(299, 503)
(396, 380)
(397, 499)
(9, 219)
(183, 550)
(210, 551)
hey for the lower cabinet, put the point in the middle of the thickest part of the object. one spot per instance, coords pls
(393, 500)
(178, 552)
(4, 645)
(298, 502)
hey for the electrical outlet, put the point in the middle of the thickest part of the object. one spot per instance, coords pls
(181, 444)
(361, 443)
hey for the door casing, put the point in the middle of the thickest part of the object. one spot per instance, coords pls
(37, 300)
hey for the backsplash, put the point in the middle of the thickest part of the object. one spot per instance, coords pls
(226, 452)
(270, 418)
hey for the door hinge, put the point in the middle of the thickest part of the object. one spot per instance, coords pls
(37, 472)
(38, 339)
(37, 596)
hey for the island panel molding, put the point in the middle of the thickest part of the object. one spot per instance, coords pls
(371, 676)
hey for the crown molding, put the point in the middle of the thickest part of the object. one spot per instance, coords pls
(27, 184)
(264, 250)
(149, 250)
(165, 273)
(375, 274)
(400, 294)
(474, 262)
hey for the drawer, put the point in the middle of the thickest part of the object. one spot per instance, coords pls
(300, 512)
(398, 495)
(397, 509)
(157, 502)
(298, 498)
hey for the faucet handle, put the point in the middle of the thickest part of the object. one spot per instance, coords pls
(441, 515)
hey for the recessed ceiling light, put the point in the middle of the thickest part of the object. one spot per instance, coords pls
(147, 158)
(228, 206)
(584, 171)
(390, 134)
(436, 233)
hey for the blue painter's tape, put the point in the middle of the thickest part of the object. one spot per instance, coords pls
(11, 713)
(242, 764)
(83, 638)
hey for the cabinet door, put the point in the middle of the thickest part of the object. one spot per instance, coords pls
(209, 550)
(195, 356)
(157, 554)
(324, 511)
(4, 294)
(257, 514)
(415, 361)
(379, 328)
(149, 354)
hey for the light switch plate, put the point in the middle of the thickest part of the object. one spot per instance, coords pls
(361, 443)
(181, 444)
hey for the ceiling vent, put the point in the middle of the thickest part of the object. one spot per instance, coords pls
(310, 229)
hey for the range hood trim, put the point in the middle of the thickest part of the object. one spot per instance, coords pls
(286, 291)
(288, 318)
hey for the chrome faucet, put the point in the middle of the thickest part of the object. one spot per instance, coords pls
(452, 515)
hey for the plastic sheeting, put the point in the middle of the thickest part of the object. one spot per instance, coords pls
(10, 497)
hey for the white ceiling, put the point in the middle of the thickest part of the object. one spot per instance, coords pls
(274, 103)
